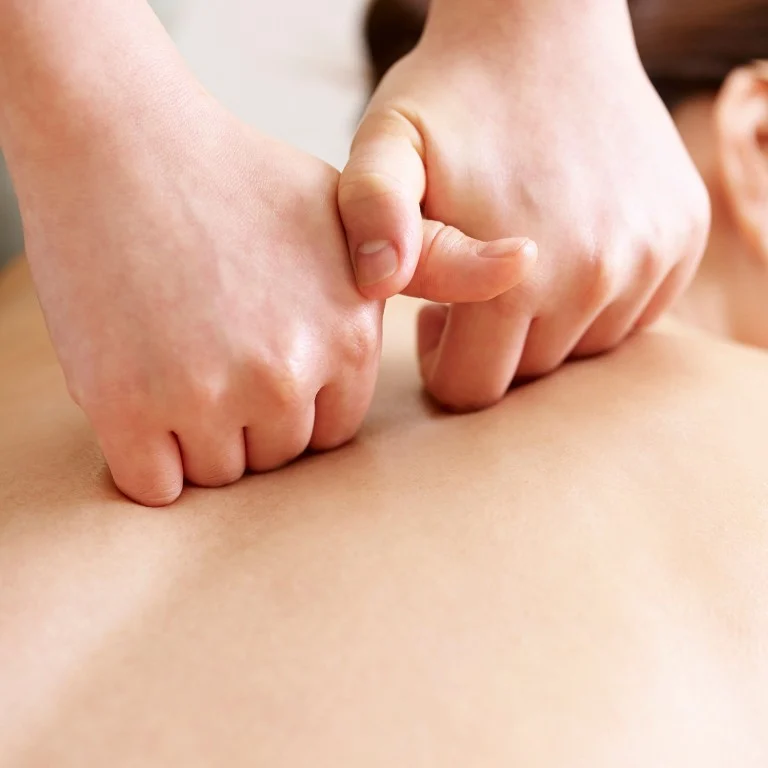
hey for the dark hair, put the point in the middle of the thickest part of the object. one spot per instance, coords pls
(687, 46)
(392, 28)
(690, 46)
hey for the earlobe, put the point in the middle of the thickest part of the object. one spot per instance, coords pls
(742, 130)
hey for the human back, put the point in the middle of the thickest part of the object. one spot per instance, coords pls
(577, 577)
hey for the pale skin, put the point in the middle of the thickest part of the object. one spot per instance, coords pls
(188, 266)
(194, 274)
(576, 577)
(534, 117)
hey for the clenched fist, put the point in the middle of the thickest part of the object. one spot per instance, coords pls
(536, 119)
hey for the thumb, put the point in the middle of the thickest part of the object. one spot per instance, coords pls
(380, 193)
(454, 268)
(393, 249)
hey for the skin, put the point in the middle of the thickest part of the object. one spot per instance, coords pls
(466, 129)
(576, 577)
(194, 274)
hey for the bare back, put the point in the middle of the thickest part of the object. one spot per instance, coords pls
(578, 577)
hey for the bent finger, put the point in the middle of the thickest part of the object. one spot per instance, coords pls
(272, 444)
(478, 355)
(213, 455)
(147, 468)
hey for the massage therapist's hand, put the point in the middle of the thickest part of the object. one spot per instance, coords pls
(200, 299)
(519, 117)
(194, 275)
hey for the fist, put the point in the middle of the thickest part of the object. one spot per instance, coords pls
(199, 294)
(574, 150)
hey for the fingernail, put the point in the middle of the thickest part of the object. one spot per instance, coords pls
(375, 261)
(509, 247)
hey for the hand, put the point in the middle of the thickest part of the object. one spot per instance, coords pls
(556, 134)
(200, 299)
(197, 286)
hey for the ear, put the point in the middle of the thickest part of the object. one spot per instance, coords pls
(741, 115)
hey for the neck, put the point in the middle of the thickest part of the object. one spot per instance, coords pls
(729, 296)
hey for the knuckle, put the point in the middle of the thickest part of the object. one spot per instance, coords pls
(702, 207)
(288, 385)
(446, 239)
(699, 227)
(653, 264)
(156, 492)
(507, 307)
(267, 462)
(692, 222)
(591, 347)
(464, 400)
(362, 184)
(208, 392)
(545, 365)
(600, 278)
(362, 341)
(330, 440)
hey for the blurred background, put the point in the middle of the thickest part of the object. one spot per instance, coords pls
(294, 69)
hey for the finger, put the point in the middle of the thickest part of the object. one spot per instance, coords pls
(273, 444)
(340, 409)
(213, 454)
(550, 341)
(147, 468)
(619, 319)
(431, 324)
(380, 193)
(455, 268)
(478, 353)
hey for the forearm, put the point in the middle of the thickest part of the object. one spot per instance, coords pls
(73, 68)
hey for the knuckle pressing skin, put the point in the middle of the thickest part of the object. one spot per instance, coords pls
(548, 362)
(158, 495)
(217, 475)
(463, 399)
(156, 490)
(330, 440)
(296, 444)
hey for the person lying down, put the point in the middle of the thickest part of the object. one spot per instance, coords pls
(577, 577)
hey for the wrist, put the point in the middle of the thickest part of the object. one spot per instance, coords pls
(81, 73)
